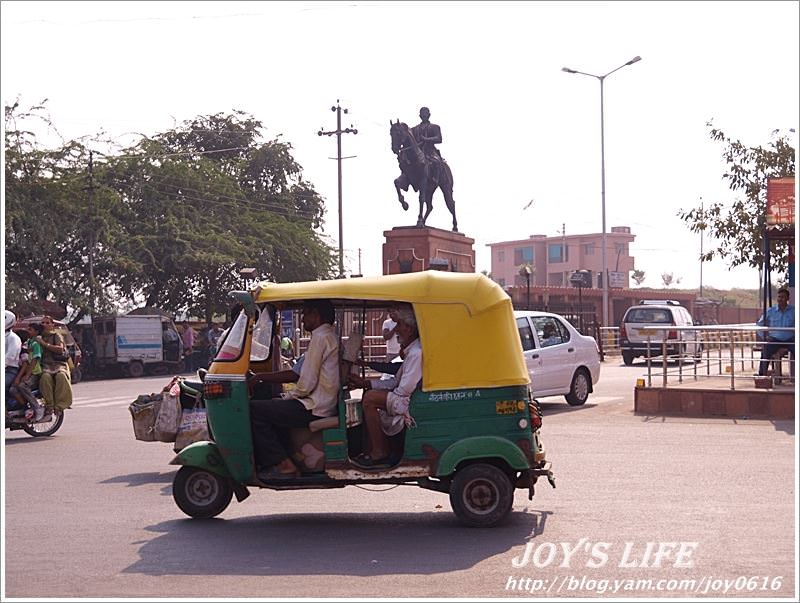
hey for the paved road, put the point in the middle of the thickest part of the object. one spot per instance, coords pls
(89, 513)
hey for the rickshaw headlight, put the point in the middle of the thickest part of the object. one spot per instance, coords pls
(523, 423)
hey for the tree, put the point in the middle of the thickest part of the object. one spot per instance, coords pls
(170, 221)
(205, 199)
(48, 221)
(739, 229)
(667, 278)
(638, 276)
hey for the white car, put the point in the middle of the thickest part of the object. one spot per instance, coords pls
(560, 361)
(634, 333)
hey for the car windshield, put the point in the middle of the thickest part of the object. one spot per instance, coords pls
(649, 316)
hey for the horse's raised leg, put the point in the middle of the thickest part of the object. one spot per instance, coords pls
(451, 205)
(401, 183)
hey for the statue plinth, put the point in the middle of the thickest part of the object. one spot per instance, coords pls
(412, 249)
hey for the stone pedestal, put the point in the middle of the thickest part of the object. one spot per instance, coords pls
(412, 249)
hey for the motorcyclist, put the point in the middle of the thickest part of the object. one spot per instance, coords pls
(13, 348)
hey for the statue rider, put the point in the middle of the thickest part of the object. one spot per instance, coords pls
(428, 135)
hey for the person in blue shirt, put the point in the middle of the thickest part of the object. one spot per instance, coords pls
(780, 315)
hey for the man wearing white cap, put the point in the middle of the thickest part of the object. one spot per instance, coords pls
(13, 348)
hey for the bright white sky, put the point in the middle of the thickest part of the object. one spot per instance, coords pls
(514, 126)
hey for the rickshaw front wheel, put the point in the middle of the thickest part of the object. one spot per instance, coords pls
(481, 495)
(200, 493)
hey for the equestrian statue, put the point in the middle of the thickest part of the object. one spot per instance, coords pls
(421, 165)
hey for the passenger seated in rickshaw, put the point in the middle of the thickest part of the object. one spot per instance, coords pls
(315, 396)
(385, 401)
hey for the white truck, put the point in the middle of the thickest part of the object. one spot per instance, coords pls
(136, 343)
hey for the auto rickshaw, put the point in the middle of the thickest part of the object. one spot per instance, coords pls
(476, 432)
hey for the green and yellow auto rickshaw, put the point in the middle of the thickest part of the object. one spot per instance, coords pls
(476, 432)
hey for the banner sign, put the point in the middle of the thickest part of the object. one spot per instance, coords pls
(780, 202)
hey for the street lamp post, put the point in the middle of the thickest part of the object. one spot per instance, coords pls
(525, 271)
(602, 78)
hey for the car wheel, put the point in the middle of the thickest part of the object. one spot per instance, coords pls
(481, 495)
(698, 355)
(627, 358)
(579, 388)
(135, 368)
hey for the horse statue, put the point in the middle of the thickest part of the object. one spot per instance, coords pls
(420, 173)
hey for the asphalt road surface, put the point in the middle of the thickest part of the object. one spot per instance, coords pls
(645, 507)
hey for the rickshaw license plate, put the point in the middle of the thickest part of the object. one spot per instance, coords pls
(506, 407)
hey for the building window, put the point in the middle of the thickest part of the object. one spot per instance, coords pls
(501, 256)
(557, 253)
(523, 255)
(620, 248)
(556, 279)
(588, 249)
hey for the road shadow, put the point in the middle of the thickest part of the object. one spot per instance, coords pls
(141, 479)
(556, 408)
(787, 426)
(28, 439)
(340, 544)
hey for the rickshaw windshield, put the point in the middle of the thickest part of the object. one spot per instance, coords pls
(232, 342)
(262, 335)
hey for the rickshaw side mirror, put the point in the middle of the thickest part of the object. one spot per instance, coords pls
(246, 299)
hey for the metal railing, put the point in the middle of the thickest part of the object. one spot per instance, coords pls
(726, 350)
(609, 337)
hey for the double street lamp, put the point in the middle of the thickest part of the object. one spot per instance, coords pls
(602, 78)
(525, 271)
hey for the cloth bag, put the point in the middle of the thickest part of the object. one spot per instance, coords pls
(193, 427)
(168, 419)
(143, 412)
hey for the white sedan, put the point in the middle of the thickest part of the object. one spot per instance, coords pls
(560, 361)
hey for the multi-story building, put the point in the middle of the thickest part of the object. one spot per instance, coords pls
(553, 259)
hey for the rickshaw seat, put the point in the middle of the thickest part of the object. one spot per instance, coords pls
(307, 444)
(326, 423)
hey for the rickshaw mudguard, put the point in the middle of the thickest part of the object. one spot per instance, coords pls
(205, 455)
(481, 447)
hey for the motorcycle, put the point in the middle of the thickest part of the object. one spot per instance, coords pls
(46, 426)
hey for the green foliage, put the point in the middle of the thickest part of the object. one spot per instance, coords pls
(47, 219)
(638, 276)
(173, 218)
(739, 228)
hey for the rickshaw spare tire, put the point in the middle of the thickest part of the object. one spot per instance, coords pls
(200, 493)
(481, 495)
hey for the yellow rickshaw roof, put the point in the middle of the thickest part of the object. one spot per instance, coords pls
(466, 322)
(475, 291)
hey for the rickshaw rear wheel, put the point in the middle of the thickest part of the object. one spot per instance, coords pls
(200, 493)
(481, 495)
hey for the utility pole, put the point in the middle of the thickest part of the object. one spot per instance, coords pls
(359, 261)
(338, 131)
(702, 230)
(91, 235)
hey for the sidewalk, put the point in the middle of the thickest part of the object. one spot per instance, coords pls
(713, 397)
